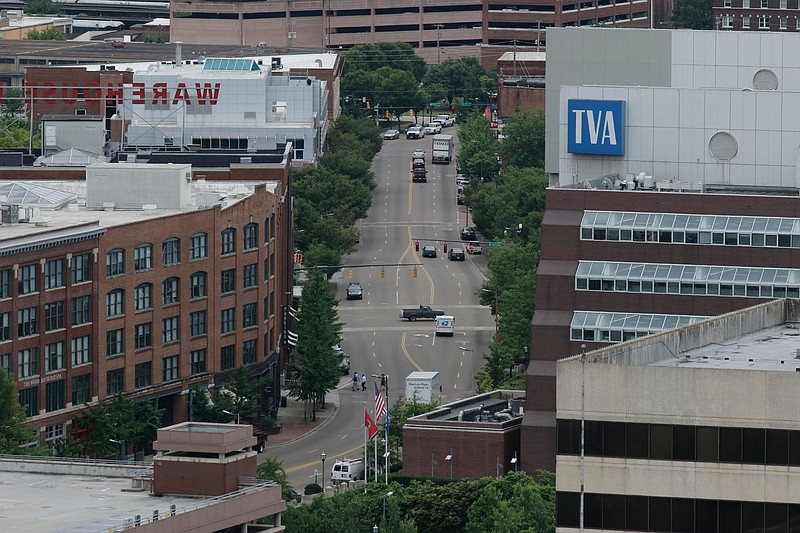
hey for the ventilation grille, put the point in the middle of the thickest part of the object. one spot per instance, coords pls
(723, 146)
(765, 80)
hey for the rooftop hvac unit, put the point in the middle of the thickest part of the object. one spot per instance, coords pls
(9, 214)
(276, 63)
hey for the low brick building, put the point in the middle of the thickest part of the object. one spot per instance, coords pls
(474, 437)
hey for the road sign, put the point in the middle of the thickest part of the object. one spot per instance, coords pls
(495, 244)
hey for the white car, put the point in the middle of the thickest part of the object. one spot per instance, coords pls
(433, 128)
(415, 132)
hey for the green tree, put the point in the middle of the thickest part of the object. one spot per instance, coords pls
(42, 7)
(371, 57)
(462, 78)
(13, 429)
(355, 135)
(272, 469)
(479, 148)
(15, 133)
(524, 139)
(13, 105)
(319, 329)
(692, 14)
(118, 419)
(49, 34)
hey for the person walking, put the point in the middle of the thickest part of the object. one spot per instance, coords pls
(355, 380)
(363, 381)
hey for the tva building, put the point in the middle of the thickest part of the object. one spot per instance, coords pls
(673, 161)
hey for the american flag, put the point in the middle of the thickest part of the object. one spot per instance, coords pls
(380, 403)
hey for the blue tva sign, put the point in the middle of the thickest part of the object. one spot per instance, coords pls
(596, 127)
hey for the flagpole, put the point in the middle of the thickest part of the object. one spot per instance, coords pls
(366, 460)
(376, 460)
(386, 450)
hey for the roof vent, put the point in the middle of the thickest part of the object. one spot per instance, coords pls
(765, 80)
(723, 146)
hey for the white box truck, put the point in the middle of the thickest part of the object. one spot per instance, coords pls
(442, 150)
(423, 387)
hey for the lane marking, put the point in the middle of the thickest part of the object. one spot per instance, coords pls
(408, 355)
(314, 463)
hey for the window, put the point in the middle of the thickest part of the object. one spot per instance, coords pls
(54, 316)
(81, 268)
(249, 315)
(783, 4)
(143, 257)
(81, 310)
(272, 303)
(115, 342)
(5, 282)
(266, 230)
(115, 262)
(81, 350)
(143, 336)
(198, 246)
(784, 23)
(250, 236)
(143, 375)
(144, 296)
(197, 285)
(228, 321)
(171, 251)
(115, 303)
(5, 362)
(727, 21)
(250, 275)
(228, 241)
(54, 274)
(171, 368)
(763, 23)
(726, 3)
(55, 395)
(746, 21)
(5, 327)
(54, 357)
(197, 324)
(764, 4)
(228, 283)
(171, 292)
(115, 381)
(170, 331)
(27, 322)
(227, 358)
(55, 432)
(272, 265)
(249, 352)
(198, 361)
(297, 147)
(272, 226)
(27, 280)
(82, 389)
(29, 398)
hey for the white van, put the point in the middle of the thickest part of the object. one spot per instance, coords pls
(445, 325)
(347, 470)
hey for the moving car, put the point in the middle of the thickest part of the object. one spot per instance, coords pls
(391, 134)
(445, 325)
(468, 234)
(418, 154)
(415, 132)
(433, 128)
(423, 311)
(429, 251)
(419, 174)
(355, 292)
(474, 249)
(456, 254)
(418, 163)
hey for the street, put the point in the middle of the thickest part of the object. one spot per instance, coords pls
(374, 336)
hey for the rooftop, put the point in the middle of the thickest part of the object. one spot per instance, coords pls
(493, 407)
(643, 183)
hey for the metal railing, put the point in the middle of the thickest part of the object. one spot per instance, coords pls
(74, 460)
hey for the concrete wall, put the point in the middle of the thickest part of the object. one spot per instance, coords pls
(193, 475)
(87, 135)
(55, 466)
(132, 184)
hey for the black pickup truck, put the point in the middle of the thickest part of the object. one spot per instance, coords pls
(423, 311)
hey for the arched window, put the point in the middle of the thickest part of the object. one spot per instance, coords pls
(171, 251)
(115, 262)
(143, 257)
(251, 236)
(198, 246)
(171, 292)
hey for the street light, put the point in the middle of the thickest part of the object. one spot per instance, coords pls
(434, 462)
(449, 459)
(232, 414)
(515, 462)
(121, 448)
(384, 506)
(496, 314)
(322, 456)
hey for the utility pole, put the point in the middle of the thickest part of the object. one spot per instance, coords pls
(515, 59)
(539, 36)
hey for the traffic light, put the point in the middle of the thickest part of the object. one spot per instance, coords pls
(415, 272)
(416, 245)
(350, 273)
(298, 258)
(452, 108)
(368, 105)
(387, 114)
(383, 274)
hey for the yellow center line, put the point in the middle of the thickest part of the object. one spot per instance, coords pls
(408, 355)
(313, 463)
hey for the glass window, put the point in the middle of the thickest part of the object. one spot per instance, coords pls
(29, 398)
(683, 442)
(82, 389)
(115, 381)
(81, 268)
(5, 327)
(144, 336)
(777, 452)
(613, 439)
(115, 303)
(55, 432)
(251, 236)
(249, 352)
(197, 323)
(197, 359)
(5, 283)
(568, 436)
(763, 22)
(171, 369)
(54, 316)
(143, 257)
(27, 322)
(115, 344)
(144, 375)
(81, 350)
(170, 331)
(227, 358)
(730, 445)
(198, 285)
(250, 276)
(745, 21)
(272, 226)
(144, 296)
(198, 246)
(27, 279)
(661, 442)
(81, 310)
(171, 251)
(249, 315)
(228, 241)
(54, 357)
(171, 291)
(115, 262)
(637, 442)
(56, 395)
(228, 283)
(753, 445)
(54, 274)
(228, 320)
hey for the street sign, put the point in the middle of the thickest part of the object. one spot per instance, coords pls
(495, 244)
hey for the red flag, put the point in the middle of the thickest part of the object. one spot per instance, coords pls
(372, 427)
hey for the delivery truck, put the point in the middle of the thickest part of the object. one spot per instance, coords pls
(442, 151)
(423, 387)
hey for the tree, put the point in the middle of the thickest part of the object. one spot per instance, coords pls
(272, 469)
(42, 7)
(134, 422)
(371, 57)
(15, 133)
(319, 330)
(13, 105)
(524, 139)
(462, 78)
(479, 148)
(13, 429)
(49, 34)
(692, 14)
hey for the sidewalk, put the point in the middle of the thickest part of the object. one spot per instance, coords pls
(296, 424)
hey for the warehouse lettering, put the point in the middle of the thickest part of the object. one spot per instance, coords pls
(92, 92)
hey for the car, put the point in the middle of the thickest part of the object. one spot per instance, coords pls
(433, 128)
(460, 198)
(419, 174)
(458, 166)
(456, 254)
(344, 365)
(461, 179)
(468, 234)
(415, 132)
(474, 249)
(418, 163)
(391, 134)
(418, 154)
(355, 292)
(428, 251)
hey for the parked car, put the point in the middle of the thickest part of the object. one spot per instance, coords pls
(468, 234)
(461, 179)
(355, 292)
(391, 134)
(460, 200)
(428, 251)
(415, 132)
(344, 366)
(456, 254)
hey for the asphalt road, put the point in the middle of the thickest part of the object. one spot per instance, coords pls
(377, 340)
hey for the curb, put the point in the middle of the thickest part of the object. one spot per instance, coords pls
(334, 411)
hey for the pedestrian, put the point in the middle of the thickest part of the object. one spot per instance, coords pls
(363, 381)
(355, 380)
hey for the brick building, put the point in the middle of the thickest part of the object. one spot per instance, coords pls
(756, 15)
(141, 282)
